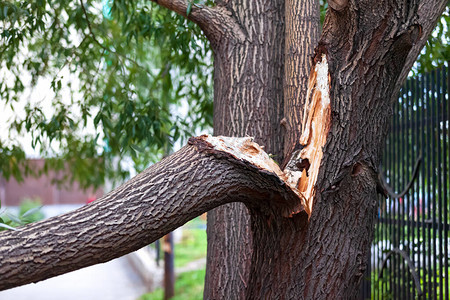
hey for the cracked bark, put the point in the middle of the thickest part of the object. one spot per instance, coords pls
(302, 35)
(368, 47)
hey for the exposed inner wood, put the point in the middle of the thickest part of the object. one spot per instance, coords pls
(245, 149)
(303, 169)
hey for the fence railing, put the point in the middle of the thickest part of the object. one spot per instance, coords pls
(410, 253)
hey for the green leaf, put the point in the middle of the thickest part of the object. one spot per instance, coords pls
(107, 122)
(13, 218)
(7, 227)
(189, 8)
(31, 211)
(137, 148)
(97, 119)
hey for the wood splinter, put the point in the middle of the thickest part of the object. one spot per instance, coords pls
(245, 149)
(303, 169)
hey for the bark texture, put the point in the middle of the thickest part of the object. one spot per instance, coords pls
(180, 187)
(368, 46)
(302, 36)
(279, 252)
(248, 101)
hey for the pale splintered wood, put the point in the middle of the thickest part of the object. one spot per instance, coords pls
(245, 149)
(315, 127)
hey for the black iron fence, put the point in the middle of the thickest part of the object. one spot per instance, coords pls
(410, 253)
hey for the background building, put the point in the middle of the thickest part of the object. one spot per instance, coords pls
(12, 193)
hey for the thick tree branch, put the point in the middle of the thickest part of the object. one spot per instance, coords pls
(192, 181)
(428, 14)
(216, 22)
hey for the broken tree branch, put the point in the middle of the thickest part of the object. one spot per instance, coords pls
(206, 173)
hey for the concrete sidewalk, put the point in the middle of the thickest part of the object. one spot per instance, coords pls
(114, 280)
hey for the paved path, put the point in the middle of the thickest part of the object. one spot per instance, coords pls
(192, 266)
(114, 280)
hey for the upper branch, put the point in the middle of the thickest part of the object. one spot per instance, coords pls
(428, 13)
(216, 22)
(201, 176)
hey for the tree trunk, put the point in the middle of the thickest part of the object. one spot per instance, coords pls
(248, 101)
(310, 227)
(368, 48)
(169, 268)
(302, 36)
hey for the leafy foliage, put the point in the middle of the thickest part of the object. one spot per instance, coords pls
(120, 68)
(128, 79)
(29, 211)
(437, 50)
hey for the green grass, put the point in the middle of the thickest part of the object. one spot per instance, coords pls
(188, 286)
(192, 247)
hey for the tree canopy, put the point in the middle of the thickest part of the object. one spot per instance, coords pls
(122, 68)
(130, 66)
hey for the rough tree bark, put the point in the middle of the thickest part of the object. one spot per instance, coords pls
(192, 181)
(305, 233)
(369, 46)
(248, 101)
